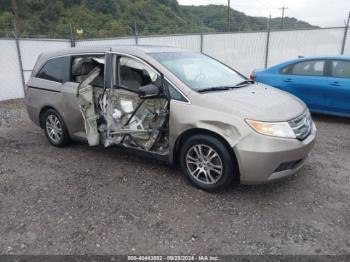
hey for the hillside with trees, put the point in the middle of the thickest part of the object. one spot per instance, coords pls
(113, 18)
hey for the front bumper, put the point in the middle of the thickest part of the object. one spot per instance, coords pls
(263, 159)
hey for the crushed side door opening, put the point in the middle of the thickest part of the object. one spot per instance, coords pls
(121, 115)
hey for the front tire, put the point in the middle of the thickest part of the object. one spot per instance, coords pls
(55, 128)
(207, 163)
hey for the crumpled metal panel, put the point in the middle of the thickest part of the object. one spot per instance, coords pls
(87, 107)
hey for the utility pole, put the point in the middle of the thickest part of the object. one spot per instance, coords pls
(15, 12)
(345, 35)
(19, 55)
(228, 17)
(268, 42)
(283, 8)
(201, 44)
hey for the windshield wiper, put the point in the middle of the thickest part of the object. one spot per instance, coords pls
(213, 89)
(224, 88)
(244, 83)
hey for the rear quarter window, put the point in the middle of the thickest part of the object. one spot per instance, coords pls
(286, 70)
(55, 69)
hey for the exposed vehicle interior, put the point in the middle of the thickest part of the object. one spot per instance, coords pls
(133, 113)
(82, 66)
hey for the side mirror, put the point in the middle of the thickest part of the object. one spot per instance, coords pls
(149, 91)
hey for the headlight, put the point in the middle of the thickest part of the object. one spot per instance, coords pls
(279, 129)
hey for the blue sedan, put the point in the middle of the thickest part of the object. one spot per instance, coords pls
(323, 83)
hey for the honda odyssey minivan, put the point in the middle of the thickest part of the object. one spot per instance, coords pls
(187, 108)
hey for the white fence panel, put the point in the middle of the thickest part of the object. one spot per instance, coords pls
(10, 73)
(105, 42)
(190, 42)
(242, 51)
(31, 49)
(289, 45)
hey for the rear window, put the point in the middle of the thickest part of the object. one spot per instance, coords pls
(54, 69)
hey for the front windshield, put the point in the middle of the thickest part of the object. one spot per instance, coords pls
(198, 71)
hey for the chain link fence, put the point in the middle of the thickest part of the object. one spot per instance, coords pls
(244, 51)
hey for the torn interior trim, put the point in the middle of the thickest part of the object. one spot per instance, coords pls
(119, 116)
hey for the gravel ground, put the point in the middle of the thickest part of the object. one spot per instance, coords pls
(80, 200)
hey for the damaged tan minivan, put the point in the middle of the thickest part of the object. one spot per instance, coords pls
(184, 107)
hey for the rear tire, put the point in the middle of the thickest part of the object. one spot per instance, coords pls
(55, 128)
(208, 164)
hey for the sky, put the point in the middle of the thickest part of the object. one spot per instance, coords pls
(324, 13)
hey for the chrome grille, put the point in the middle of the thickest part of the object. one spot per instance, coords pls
(302, 125)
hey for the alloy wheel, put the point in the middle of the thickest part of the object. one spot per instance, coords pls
(204, 164)
(54, 128)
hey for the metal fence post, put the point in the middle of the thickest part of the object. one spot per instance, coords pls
(19, 55)
(345, 35)
(201, 44)
(136, 33)
(72, 37)
(201, 37)
(268, 42)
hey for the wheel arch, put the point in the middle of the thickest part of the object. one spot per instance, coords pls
(42, 112)
(201, 131)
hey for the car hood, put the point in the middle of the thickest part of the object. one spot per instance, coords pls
(257, 102)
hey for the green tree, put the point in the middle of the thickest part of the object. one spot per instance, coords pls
(102, 6)
(111, 18)
(5, 6)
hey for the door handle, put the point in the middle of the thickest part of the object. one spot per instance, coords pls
(335, 84)
(288, 80)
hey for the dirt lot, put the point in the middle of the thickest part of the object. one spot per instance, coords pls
(79, 200)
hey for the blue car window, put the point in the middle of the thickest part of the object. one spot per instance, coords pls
(341, 69)
(286, 70)
(309, 68)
